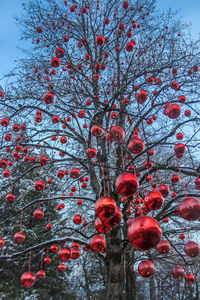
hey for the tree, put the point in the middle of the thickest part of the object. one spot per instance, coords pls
(109, 95)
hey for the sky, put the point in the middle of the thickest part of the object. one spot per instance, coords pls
(10, 33)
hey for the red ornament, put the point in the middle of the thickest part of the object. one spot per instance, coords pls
(2, 242)
(141, 96)
(19, 237)
(62, 267)
(154, 200)
(144, 232)
(54, 248)
(60, 52)
(130, 46)
(75, 173)
(189, 209)
(136, 145)
(10, 197)
(178, 272)
(47, 260)
(117, 133)
(41, 274)
(126, 184)
(164, 190)
(49, 226)
(100, 40)
(48, 98)
(96, 130)
(192, 249)
(179, 150)
(175, 178)
(100, 227)
(39, 185)
(163, 247)
(91, 152)
(105, 207)
(181, 99)
(77, 219)
(173, 111)
(64, 254)
(189, 278)
(38, 214)
(55, 62)
(146, 268)
(75, 253)
(28, 279)
(98, 243)
(114, 220)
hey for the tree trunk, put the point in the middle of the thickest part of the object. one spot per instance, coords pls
(115, 281)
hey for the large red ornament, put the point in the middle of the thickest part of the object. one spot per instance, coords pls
(192, 249)
(144, 232)
(100, 227)
(19, 237)
(27, 279)
(164, 190)
(117, 133)
(173, 111)
(163, 247)
(136, 145)
(154, 200)
(146, 268)
(189, 209)
(98, 243)
(96, 130)
(105, 207)
(75, 173)
(38, 214)
(178, 272)
(126, 184)
(189, 278)
(179, 150)
(64, 254)
(75, 253)
(41, 274)
(114, 220)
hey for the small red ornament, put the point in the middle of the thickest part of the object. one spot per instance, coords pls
(126, 184)
(41, 274)
(61, 267)
(10, 197)
(91, 152)
(54, 248)
(163, 247)
(173, 111)
(100, 40)
(154, 200)
(179, 150)
(64, 254)
(75, 173)
(146, 268)
(175, 178)
(163, 189)
(117, 133)
(178, 272)
(105, 207)
(39, 185)
(189, 278)
(98, 243)
(136, 145)
(144, 232)
(77, 219)
(192, 249)
(19, 237)
(2, 242)
(38, 214)
(96, 130)
(28, 279)
(189, 209)
(55, 62)
(47, 260)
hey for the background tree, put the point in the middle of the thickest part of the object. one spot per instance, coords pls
(107, 88)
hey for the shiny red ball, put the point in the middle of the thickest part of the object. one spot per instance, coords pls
(75, 173)
(189, 209)
(189, 278)
(163, 189)
(75, 253)
(64, 254)
(105, 207)
(28, 279)
(77, 219)
(118, 133)
(41, 274)
(19, 237)
(114, 220)
(98, 243)
(38, 214)
(126, 184)
(163, 247)
(146, 268)
(154, 200)
(100, 227)
(179, 150)
(173, 111)
(192, 249)
(178, 272)
(136, 145)
(61, 267)
(144, 232)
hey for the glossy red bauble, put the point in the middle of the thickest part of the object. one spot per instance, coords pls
(189, 278)
(192, 249)
(48, 98)
(100, 227)
(179, 150)
(91, 152)
(114, 220)
(49, 226)
(141, 96)
(100, 40)
(77, 219)
(175, 178)
(19, 237)
(10, 197)
(189, 209)
(60, 52)
(130, 46)
(47, 260)
(173, 111)
(96, 130)
(125, 4)
(39, 185)
(75, 173)
(163, 247)
(54, 248)
(38, 214)
(75, 253)
(144, 232)
(41, 274)
(98, 243)
(105, 207)
(163, 189)
(146, 268)
(126, 184)
(136, 145)
(154, 200)
(178, 272)
(64, 254)
(117, 133)
(62, 267)
(55, 62)
(2, 243)
(28, 279)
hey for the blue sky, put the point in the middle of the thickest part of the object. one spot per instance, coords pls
(10, 35)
